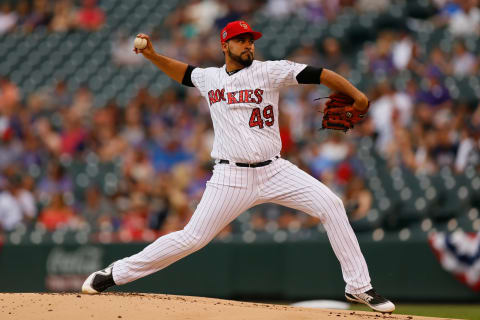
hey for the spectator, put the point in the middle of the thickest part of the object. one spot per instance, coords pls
(40, 16)
(63, 16)
(74, 134)
(258, 221)
(109, 144)
(60, 97)
(167, 155)
(446, 7)
(329, 9)
(445, 147)
(372, 5)
(22, 12)
(203, 14)
(26, 198)
(434, 93)
(9, 95)
(134, 220)
(400, 152)
(57, 214)
(288, 145)
(358, 199)
(133, 131)
(465, 21)
(139, 168)
(424, 162)
(307, 53)
(201, 175)
(380, 55)
(55, 182)
(83, 102)
(38, 106)
(315, 11)
(8, 18)
(330, 153)
(468, 152)
(279, 8)
(474, 123)
(11, 148)
(464, 63)
(90, 17)
(10, 209)
(145, 102)
(402, 51)
(159, 207)
(332, 55)
(389, 104)
(438, 63)
(233, 12)
(99, 211)
(33, 154)
(48, 136)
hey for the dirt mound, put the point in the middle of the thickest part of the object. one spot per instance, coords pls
(134, 306)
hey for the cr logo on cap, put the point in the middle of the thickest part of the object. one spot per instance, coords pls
(224, 35)
(244, 25)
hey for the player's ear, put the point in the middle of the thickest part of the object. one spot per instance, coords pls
(225, 46)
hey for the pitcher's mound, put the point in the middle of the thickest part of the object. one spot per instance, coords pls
(136, 306)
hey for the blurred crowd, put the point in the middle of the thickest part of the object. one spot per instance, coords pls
(54, 16)
(159, 147)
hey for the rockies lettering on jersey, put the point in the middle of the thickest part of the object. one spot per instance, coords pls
(247, 96)
(244, 108)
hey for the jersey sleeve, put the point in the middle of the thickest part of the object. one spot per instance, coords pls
(198, 79)
(283, 73)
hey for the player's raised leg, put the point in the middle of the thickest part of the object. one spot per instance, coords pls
(287, 185)
(228, 194)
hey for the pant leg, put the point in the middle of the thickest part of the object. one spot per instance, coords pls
(289, 186)
(228, 194)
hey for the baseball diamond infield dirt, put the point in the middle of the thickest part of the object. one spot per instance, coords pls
(134, 306)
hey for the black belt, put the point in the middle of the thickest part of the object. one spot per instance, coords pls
(249, 165)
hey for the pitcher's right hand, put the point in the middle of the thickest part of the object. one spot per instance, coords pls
(148, 51)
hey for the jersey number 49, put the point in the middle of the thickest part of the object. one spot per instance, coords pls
(257, 120)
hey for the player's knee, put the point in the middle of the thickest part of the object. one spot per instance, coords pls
(192, 242)
(335, 203)
(333, 210)
(330, 201)
(338, 203)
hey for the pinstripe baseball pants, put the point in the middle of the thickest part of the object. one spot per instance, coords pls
(231, 191)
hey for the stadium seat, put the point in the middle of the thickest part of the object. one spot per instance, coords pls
(453, 198)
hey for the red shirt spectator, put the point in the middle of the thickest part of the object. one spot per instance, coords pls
(73, 138)
(56, 214)
(134, 221)
(9, 94)
(90, 17)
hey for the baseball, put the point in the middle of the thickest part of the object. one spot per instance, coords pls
(140, 43)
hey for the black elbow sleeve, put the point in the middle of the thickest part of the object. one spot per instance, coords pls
(309, 75)
(187, 77)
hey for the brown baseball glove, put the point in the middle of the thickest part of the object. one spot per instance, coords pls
(339, 113)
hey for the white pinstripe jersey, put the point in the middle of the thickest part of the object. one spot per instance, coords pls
(244, 108)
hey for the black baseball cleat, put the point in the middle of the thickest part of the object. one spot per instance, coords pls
(372, 299)
(99, 281)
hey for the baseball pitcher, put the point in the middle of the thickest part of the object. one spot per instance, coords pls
(243, 99)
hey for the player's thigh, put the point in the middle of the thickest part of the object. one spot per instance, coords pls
(301, 191)
(220, 204)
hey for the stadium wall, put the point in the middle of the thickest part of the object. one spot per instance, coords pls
(406, 271)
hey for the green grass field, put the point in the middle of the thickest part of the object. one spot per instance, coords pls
(457, 311)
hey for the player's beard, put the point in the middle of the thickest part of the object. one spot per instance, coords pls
(246, 62)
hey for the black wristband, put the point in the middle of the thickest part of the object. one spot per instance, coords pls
(187, 77)
(309, 75)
